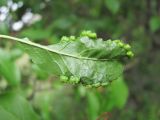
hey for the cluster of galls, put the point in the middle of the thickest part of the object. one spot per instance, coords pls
(88, 33)
(93, 35)
(72, 79)
(68, 39)
(96, 85)
(75, 80)
(127, 47)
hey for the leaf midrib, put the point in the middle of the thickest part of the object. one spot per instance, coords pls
(49, 49)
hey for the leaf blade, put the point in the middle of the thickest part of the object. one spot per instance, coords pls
(85, 59)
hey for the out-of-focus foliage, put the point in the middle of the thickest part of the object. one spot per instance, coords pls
(113, 5)
(15, 107)
(155, 23)
(8, 68)
(117, 94)
(136, 22)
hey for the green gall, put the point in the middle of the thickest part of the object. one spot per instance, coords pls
(72, 38)
(84, 33)
(63, 78)
(117, 41)
(104, 84)
(127, 47)
(96, 84)
(130, 54)
(64, 39)
(93, 35)
(89, 34)
(88, 86)
(120, 44)
(74, 79)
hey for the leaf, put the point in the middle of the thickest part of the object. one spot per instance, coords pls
(117, 94)
(113, 5)
(8, 69)
(85, 59)
(155, 23)
(15, 107)
(93, 106)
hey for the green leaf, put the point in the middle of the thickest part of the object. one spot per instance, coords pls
(113, 5)
(117, 94)
(93, 106)
(8, 69)
(15, 107)
(86, 59)
(155, 23)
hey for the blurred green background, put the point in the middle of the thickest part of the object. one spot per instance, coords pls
(135, 97)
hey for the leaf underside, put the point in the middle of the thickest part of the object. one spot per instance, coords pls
(86, 59)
